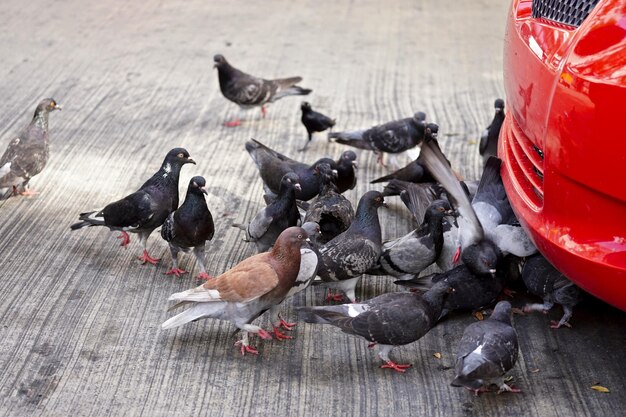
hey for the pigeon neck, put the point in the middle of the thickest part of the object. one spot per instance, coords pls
(193, 201)
(286, 193)
(327, 185)
(435, 298)
(434, 225)
(366, 221)
(503, 316)
(168, 173)
(285, 256)
(225, 73)
(40, 119)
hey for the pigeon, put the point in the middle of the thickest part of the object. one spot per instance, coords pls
(416, 197)
(248, 91)
(413, 172)
(544, 280)
(246, 291)
(309, 258)
(27, 154)
(476, 283)
(332, 211)
(147, 208)
(270, 222)
(273, 165)
(411, 254)
(496, 216)
(489, 139)
(488, 350)
(346, 168)
(189, 227)
(389, 320)
(392, 137)
(314, 122)
(346, 257)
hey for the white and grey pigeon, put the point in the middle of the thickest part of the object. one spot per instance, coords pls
(309, 259)
(389, 320)
(270, 222)
(246, 291)
(190, 226)
(489, 139)
(147, 208)
(544, 280)
(392, 137)
(27, 154)
(409, 255)
(351, 254)
(488, 350)
(248, 91)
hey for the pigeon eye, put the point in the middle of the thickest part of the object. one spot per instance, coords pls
(181, 155)
(299, 236)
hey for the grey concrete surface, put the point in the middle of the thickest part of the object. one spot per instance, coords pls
(80, 317)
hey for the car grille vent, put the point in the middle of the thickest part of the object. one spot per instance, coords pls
(568, 12)
(526, 162)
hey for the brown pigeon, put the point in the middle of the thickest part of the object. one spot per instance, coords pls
(246, 291)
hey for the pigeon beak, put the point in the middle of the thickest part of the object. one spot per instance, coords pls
(307, 240)
(492, 271)
(355, 165)
(385, 205)
(297, 187)
(433, 135)
(335, 173)
(450, 212)
(203, 189)
(190, 161)
(58, 107)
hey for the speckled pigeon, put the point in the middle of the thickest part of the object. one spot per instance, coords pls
(273, 165)
(27, 154)
(314, 122)
(488, 349)
(489, 139)
(332, 211)
(270, 222)
(411, 254)
(247, 91)
(392, 137)
(189, 227)
(246, 291)
(147, 208)
(389, 320)
(351, 254)
(544, 280)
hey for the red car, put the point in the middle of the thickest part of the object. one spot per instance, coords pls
(563, 142)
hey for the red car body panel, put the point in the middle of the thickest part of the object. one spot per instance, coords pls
(563, 142)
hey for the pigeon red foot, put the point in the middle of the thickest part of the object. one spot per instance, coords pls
(147, 258)
(176, 271)
(557, 325)
(233, 123)
(280, 335)
(204, 276)
(457, 255)
(334, 297)
(246, 348)
(399, 367)
(125, 239)
(285, 324)
(263, 111)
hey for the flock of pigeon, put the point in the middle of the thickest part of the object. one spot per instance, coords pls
(310, 234)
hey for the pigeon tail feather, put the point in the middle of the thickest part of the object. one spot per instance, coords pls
(292, 91)
(461, 381)
(196, 312)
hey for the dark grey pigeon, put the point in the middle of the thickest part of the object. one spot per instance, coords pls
(351, 254)
(411, 254)
(389, 320)
(475, 282)
(413, 172)
(309, 259)
(270, 222)
(392, 137)
(147, 208)
(248, 91)
(332, 211)
(189, 227)
(488, 350)
(489, 139)
(544, 280)
(314, 122)
(273, 166)
(27, 154)
(416, 197)
(346, 168)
